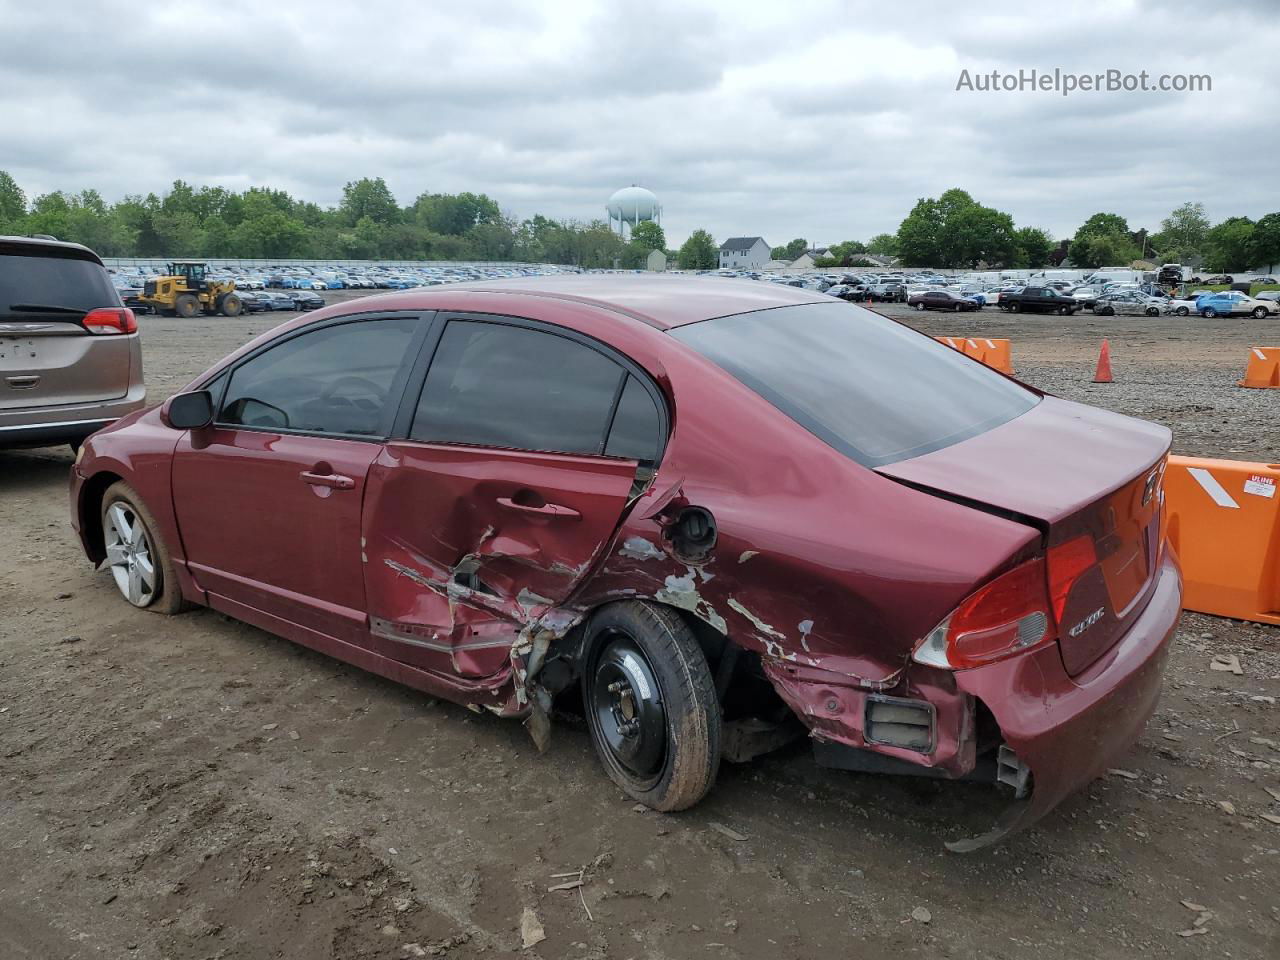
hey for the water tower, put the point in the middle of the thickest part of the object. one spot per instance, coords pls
(631, 206)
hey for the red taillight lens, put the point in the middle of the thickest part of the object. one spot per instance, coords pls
(1067, 563)
(1009, 615)
(111, 320)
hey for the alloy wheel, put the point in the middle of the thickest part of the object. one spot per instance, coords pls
(130, 555)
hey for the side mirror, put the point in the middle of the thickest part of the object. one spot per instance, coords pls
(190, 411)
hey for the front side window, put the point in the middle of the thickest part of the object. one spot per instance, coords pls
(500, 385)
(336, 379)
(875, 390)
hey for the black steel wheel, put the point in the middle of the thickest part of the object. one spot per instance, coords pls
(651, 705)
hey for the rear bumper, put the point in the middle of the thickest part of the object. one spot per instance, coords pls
(1069, 730)
(65, 423)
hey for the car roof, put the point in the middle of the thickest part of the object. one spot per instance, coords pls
(660, 301)
(54, 247)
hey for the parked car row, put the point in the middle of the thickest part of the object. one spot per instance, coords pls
(320, 277)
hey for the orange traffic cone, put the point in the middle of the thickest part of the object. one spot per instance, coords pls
(1103, 373)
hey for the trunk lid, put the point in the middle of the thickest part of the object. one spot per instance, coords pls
(49, 362)
(1092, 481)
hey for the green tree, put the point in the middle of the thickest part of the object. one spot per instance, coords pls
(1103, 250)
(846, 249)
(699, 252)
(790, 251)
(648, 236)
(1034, 245)
(368, 198)
(454, 214)
(1182, 234)
(956, 231)
(883, 245)
(1229, 245)
(13, 204)
(1103, 240)
(1266, 241)
(50, 214)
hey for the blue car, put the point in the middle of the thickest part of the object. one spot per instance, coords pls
(1234, 303)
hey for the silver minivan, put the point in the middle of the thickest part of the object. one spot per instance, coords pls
(70, 352)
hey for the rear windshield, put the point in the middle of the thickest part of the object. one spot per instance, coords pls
(35, 277)
(873, 389)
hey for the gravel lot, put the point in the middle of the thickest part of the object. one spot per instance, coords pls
(195, 788)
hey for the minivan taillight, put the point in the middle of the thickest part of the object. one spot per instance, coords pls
(1007, 616)
(111, 320)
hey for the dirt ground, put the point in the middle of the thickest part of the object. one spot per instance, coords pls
(194, 788)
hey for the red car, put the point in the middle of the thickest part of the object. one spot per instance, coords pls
(712, 512)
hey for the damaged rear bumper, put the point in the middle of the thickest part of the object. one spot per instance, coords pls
(1069, 730)
(1066, 730)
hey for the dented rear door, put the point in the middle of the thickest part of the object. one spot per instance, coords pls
(499, 501)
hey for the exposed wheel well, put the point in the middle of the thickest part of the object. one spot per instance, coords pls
(91, 513)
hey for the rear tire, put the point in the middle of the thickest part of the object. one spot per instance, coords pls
(187, 305)
(1015, 308)
(1183, 312)
(651, 704)
(133, 545)
(920, 305)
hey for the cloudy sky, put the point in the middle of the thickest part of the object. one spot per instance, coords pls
(821, 120)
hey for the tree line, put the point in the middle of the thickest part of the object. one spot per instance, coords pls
(950, 231)
(955, 230)
(368, 224)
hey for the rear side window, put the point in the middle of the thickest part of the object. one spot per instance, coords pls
(873, 389)
(636, 433)
(37, 278)
(499, 385)
(336, 379)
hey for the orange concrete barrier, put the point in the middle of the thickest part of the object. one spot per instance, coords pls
(1224, 523)
(1263, 369)
(995, 352)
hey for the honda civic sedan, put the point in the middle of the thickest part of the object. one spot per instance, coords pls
(709, 514)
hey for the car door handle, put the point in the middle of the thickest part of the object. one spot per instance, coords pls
(546, 510)
(334, 480)
(22, 383)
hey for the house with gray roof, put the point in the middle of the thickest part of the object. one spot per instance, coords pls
(744, 253)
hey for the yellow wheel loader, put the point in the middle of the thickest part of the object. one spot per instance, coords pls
(187, 291)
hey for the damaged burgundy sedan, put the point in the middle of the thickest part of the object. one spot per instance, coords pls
(712, 512)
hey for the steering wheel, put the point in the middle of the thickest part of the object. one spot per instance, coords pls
(329, 394)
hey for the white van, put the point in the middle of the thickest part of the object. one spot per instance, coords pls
(1113, 275)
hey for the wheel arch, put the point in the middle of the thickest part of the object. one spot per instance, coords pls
(90, 511)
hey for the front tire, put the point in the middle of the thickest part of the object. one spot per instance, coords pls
(1208, 313)
(1259, 312)
(1153, 311)
(920, 305)
(1183, 312)
(136, 556)
(651, 705)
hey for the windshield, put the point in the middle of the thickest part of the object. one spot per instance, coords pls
(875, 390)
(30, 276)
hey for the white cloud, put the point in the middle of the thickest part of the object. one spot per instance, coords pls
(826, 120)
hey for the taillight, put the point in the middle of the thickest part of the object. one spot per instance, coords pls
(1067, 563)
(1007, 616)
(111, 320)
